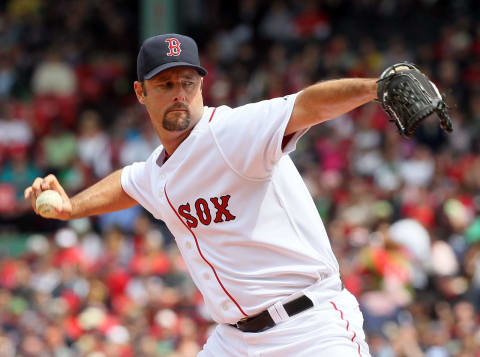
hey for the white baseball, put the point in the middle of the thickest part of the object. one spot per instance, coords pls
(47, 202)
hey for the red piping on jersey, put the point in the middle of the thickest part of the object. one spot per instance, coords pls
(211, 117)
(200, 252)
(348, 325)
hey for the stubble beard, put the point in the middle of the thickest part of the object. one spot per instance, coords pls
(176, 120)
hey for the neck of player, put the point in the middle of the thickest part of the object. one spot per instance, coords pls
(172, 140)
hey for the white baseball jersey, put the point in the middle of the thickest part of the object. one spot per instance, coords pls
(241, 215)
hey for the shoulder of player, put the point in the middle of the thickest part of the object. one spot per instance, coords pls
(223, 114)
(215, 115)
(226, 112)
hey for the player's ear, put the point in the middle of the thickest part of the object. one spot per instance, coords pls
(139, 91)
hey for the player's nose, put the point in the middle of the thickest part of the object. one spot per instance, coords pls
(180, 94)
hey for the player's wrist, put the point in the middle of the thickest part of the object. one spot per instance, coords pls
(70, 210)
(372, 84)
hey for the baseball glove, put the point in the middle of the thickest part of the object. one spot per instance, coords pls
(408, 97)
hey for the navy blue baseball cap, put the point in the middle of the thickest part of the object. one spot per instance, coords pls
(162, 52)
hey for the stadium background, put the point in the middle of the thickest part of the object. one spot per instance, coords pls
(403, 215)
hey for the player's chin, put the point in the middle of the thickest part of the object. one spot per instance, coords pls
(176, 120)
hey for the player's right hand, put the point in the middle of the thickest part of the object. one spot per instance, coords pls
(49, 182)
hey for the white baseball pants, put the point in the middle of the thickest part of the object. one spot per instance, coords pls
(333, 327)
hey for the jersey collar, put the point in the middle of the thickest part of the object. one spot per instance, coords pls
(199, 127)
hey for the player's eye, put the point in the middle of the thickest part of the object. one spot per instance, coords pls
(165, 85)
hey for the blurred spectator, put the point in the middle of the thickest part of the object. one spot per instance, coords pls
(93, 145)
(277, 22)
(7, 74)
(53, 77)
(59, 148)
(15, 132)
(138, 144)
(20, 172)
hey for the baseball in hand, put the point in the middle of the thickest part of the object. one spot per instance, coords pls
(47, 203)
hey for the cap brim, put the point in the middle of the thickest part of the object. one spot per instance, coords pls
(202, 71)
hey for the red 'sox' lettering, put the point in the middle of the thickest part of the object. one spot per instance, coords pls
(203, 212)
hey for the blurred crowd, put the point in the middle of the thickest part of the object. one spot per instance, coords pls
(403, 215)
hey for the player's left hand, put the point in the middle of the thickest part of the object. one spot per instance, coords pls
(409, 97)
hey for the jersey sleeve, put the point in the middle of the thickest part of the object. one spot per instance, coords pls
(137, 183)
(250, 137)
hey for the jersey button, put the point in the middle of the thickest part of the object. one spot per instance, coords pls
(206, 276)
(161, 177)
(188, 245)
(225, 305)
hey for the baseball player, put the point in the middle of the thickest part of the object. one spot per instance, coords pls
(241, 215)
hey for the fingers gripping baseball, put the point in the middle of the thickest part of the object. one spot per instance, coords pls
(55, 204)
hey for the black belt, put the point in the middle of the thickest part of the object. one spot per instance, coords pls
(264, 321)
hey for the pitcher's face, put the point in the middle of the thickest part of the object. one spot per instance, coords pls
(173, 99)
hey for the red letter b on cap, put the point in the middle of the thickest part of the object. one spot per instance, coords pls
(173, 46)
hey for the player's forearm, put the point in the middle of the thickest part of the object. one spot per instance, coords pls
(105, 196)
(330, 99)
